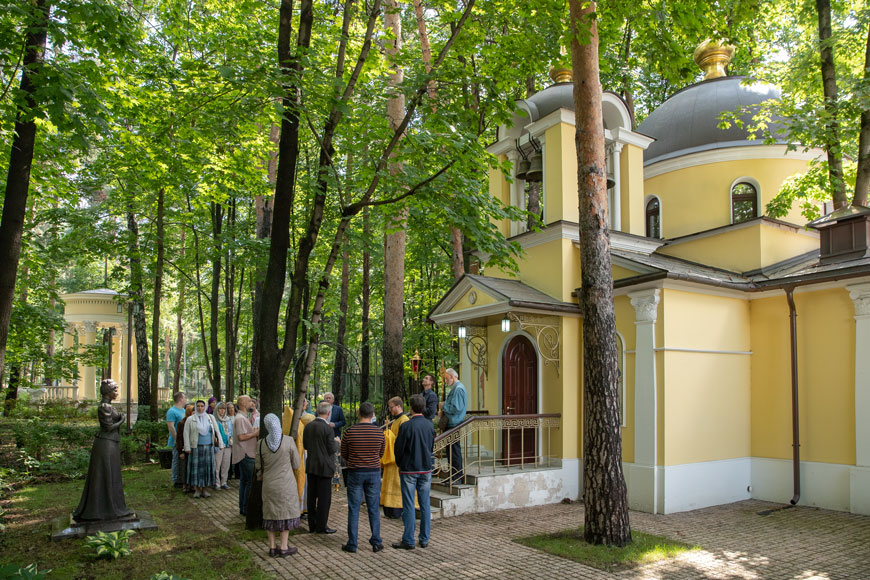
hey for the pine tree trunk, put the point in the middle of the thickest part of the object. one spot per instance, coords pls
(20, 161)
(862, 180)
(394, 242)
(137, 297)
(829, 84)
(605, 497)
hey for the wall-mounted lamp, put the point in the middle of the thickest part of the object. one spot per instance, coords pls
(505, 324)
(460, 331)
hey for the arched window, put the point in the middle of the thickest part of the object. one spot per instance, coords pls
(744, 202)
(653, 218)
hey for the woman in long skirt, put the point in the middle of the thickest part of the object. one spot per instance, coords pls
(274, 464)
(200, 437)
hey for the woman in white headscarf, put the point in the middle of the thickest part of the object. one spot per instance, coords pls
(277, 457)
(200, 437)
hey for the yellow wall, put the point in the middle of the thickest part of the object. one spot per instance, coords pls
(707, 395)
(826, 370)
(560, 175)
(500, 189)
(698, 198)
(747, 248)
(632, 190)
(553, 268)
(482, 300)
(625, 326)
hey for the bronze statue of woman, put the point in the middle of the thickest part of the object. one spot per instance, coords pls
(103, 496)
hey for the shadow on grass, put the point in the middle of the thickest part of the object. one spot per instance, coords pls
(644, 548)
(186, 543)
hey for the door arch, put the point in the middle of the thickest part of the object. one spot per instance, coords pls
(519, 397)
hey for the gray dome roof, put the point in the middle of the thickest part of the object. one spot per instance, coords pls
(544, 102)
(688, 121)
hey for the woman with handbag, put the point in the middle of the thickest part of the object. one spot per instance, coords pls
(201, 434)
(276, 459)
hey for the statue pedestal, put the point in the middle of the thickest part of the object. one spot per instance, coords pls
(65, 527)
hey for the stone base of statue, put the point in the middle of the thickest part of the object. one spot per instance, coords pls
(66, 527)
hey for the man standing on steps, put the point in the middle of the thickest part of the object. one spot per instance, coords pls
(414, 446)
(454, 408)
(362, 448)
(321, 445)
(430, 396)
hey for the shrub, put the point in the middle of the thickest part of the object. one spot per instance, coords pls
(112, 544)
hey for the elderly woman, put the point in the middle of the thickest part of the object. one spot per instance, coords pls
(277, 457)
(201, 434)
(223, 457)
(103, 495)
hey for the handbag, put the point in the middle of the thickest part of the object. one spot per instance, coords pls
(254, 517)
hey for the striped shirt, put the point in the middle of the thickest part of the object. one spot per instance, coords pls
(362, 447)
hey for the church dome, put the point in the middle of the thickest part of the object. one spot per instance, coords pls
(688, 122)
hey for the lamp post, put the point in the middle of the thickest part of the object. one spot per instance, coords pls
(415, 367)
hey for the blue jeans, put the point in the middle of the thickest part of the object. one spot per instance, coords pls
(246, 474)
(175, 465)
(359, 483)
(422, 484)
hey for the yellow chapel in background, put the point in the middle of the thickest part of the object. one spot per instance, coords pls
(713, 302)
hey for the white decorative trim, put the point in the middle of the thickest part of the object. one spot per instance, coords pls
(648, 198)
(860, 295)
(90, 325)
(801, 289)
(646, 304)
(728, 154)
(754, 183)
(700, 350)
(628, 137)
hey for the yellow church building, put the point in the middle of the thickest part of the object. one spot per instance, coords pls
(713, 300)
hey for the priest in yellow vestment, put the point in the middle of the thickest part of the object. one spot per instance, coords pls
(391, 485)
(286, 423)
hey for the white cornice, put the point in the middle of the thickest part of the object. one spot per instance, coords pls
(622, 135)
(729, 154)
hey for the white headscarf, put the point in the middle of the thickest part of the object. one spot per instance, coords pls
(203, 423)
(273, 426)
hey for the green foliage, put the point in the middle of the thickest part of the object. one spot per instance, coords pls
(112, 544)
(809, 190)
(58, 450)
(29, 572)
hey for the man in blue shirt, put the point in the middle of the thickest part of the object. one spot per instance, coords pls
(454, 408)
(173, 416)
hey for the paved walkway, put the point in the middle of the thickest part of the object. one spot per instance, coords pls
(800, 543)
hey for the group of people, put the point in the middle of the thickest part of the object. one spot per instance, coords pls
(390, 467)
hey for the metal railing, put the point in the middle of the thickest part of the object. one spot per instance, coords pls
(493, 443)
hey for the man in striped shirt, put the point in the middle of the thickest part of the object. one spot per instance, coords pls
(361, 448)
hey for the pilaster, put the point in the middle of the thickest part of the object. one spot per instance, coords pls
(860, 475)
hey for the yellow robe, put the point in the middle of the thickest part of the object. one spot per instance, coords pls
(286, 422)
(391, 485)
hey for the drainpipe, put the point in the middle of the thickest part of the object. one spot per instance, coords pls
(795, 419)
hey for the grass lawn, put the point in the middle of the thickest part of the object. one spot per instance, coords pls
(185, 544)
(645, 548)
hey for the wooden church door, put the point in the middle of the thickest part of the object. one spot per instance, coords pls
(519, 397)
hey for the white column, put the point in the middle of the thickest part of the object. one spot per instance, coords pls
(617, 189)
(89, 377)
(121, 371)
(643, 493)
(68, 342)
(860, 474)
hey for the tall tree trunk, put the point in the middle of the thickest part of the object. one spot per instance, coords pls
(217, 219)
(263, 207)
(605, 497)
(394, 242)
(862, 180)
(340, 366)
(137, 297)
(20, 161)
(229, 309)
(155, 318)
(829, 85)
(366, 353)
(179, 342)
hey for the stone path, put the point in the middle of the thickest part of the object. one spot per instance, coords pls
(800, 543)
